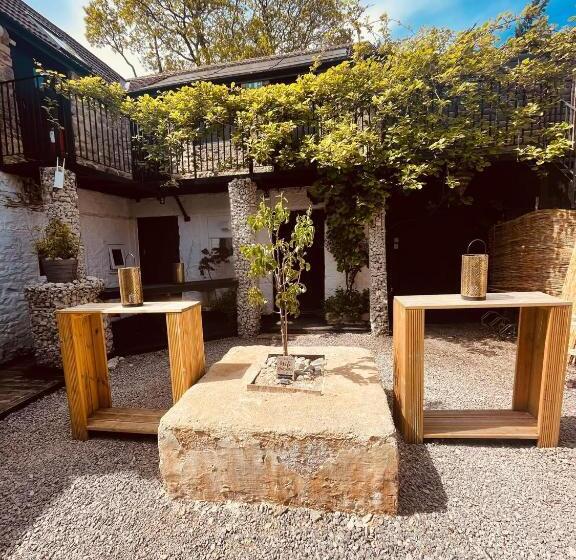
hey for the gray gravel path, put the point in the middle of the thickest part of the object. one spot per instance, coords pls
(102, 499)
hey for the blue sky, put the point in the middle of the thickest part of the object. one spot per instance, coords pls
(457, 14)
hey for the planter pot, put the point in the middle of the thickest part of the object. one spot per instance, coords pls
(60, 270)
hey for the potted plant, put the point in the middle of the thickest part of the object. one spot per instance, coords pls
(58, 252)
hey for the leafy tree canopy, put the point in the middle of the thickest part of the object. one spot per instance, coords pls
(174, 34)
(439, 104)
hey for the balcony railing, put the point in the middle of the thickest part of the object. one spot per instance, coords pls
(39, 124)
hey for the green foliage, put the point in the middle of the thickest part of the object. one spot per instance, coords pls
(531, 13)
(398, 115)
(58, 242)
(284, 258)
(182, 33)
(347, 305)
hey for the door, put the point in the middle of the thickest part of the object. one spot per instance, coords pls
(311, 301)
(159, 243)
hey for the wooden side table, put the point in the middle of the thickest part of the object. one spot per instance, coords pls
(539, 379)
(86, 367)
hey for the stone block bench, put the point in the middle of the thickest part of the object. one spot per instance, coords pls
(333, 451)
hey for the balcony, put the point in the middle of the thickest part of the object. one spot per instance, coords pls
(39, 125)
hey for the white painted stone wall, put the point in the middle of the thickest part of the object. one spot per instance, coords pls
(106, 220)
(19, 227)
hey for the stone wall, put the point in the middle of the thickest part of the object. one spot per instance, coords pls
(243, 203)
(378, 275)
(6, 71)
(20, 223)
(43, 301)
(106, 221)
(62, 204)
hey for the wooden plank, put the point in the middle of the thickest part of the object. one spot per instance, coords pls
(82, 335)
(118, 309)
(75, 387)
(475, 424)
(493, 414)
(126, 420)
(131, 421)
(118, 412)
(409, 371)
(530, 358)
(569, 294)
(553, 376)
(504, 299)
(100, 358)
(186, 349)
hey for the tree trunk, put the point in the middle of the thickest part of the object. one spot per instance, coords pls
(284, 331)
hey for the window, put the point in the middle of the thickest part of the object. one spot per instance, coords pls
(117, 256)
(254, 85)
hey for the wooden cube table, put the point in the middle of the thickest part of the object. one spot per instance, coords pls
(539, 379)
(86, 366)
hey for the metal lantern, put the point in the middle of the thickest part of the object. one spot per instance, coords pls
(474, 279)
(178, 274)
(130, 285)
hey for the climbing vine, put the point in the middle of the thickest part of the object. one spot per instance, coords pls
(439, 104)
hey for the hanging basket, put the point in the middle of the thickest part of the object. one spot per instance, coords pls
(474, 278)
(130, 283)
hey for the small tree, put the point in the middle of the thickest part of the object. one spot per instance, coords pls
(283, 258)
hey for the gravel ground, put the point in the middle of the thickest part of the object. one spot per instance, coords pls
(102, 499)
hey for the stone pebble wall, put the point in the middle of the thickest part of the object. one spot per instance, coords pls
(378, 276)
(243, 203)
(44, 300)
(62, 204)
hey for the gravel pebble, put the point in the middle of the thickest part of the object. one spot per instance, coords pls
(64, 499)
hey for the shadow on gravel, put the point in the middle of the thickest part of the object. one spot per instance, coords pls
(567, 431)
(40, 474)
(420, 487)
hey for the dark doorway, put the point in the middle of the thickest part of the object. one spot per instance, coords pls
(311, 301)
(159, 243)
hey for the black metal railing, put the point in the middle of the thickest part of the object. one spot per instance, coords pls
(39, 124)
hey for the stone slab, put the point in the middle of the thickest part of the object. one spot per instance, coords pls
(336, 451)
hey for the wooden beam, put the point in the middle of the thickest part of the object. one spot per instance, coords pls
(186, 349)
(409, 372)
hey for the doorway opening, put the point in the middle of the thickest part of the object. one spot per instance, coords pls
(159, 246)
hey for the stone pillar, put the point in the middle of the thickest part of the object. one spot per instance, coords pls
(62, 204)
(378, 277)
(243, 203)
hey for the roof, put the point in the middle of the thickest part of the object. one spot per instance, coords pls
(230, 71)
(44, 30)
